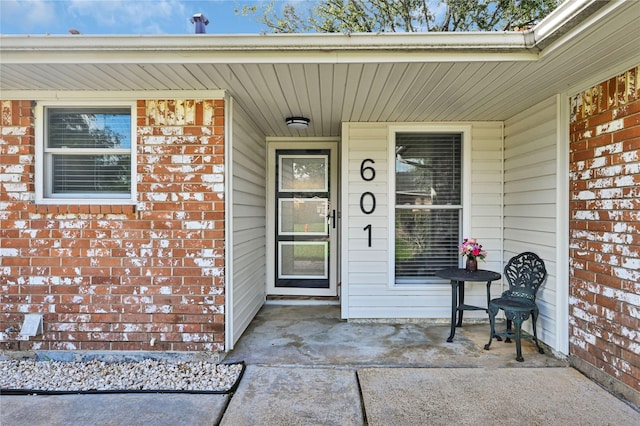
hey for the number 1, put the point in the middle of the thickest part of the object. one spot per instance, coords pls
(368, 228)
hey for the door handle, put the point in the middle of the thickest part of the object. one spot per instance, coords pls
(332, 218)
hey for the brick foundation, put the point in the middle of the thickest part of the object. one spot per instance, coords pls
(118, 277)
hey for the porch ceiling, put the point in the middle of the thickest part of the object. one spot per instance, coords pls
(387, 78)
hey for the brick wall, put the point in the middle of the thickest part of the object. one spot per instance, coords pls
(116, 277)
(605, 228)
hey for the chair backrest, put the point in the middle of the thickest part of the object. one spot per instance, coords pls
(525, 273)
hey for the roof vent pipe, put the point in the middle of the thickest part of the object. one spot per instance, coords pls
(201, 22)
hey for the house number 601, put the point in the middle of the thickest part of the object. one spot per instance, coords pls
(367, 173)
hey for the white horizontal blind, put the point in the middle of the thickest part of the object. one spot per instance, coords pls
(88, 151)
(428, 204)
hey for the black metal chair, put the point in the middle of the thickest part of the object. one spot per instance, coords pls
(525, 274)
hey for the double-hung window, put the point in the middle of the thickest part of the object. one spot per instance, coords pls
(86, 154)
(428, 204)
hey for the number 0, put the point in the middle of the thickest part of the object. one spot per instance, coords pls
(373, 203)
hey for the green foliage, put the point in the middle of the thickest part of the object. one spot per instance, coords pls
(377, 16)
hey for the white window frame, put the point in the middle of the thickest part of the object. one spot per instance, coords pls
(41, 196)
(465, 131)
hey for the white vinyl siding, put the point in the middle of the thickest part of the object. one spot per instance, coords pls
(367, 274)
(486, 194)
(530, 187)
(249, 226)
(365, 270)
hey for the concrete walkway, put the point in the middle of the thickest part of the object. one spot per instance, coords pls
(306, 367)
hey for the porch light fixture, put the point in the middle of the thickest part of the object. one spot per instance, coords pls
(298, 123)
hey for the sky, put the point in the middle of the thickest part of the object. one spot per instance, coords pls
(124, 16)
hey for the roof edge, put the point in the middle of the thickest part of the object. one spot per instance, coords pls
(505, 40)
(563, 19)
(19, 49)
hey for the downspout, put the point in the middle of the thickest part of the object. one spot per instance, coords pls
(502, 204)
(228, 231)
(562, 225)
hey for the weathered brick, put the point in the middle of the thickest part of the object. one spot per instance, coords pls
(626, 134)
(103, 271)
(604, 226)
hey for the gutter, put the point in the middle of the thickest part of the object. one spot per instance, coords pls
(566, 17)
(503, 41)
(269, 48)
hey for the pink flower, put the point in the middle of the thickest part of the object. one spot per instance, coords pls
(472, 249)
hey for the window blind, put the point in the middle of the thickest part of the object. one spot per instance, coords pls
(428, 203)
(88, 151)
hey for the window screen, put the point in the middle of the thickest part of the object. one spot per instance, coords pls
(428, 208)
(88, 152)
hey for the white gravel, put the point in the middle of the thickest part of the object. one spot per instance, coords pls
(102, 376)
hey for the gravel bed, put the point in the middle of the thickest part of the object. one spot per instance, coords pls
(95, 376)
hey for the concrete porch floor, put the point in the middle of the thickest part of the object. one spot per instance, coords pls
(305, 366)
(302, 335)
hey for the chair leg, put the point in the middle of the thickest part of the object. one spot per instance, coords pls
(534, 318)
(518, 342)
(509, 331)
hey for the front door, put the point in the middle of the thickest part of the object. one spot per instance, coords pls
(303, 220)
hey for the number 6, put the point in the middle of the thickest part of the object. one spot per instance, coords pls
(367, 169)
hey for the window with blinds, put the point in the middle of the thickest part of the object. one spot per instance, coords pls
(428, 207)
(87, 152)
